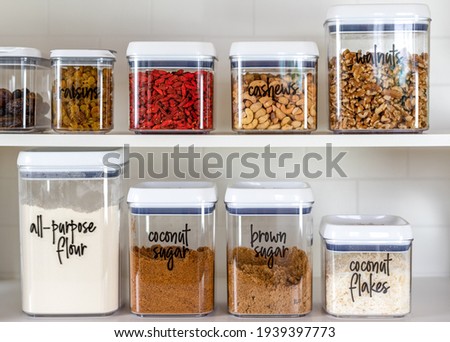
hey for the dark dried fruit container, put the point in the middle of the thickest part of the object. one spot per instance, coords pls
(171, 86)
(82, 91)
(23, 89)
(378, 68)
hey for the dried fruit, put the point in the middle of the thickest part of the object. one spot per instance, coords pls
(13, 113)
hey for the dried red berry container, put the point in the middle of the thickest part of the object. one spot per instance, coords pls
(171, 86)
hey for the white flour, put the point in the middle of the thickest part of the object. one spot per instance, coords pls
(72, 269)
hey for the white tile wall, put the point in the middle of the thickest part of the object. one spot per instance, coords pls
(414, 183)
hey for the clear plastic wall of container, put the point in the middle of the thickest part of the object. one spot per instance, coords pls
(82, 91)
(269, 257)
(24, 96)
(378, 68)
(274, 87)
(70, 205)
(171, 87)
(366, 265)
(172, 248)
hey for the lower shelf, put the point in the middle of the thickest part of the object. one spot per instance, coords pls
(430, 303)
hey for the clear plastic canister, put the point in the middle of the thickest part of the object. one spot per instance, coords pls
(24, 99)
(171, 86)
(171, 234)
(70, 205)
(82, 91)
(269, 259)
(366, 265)
(274, 87)
(378, 68)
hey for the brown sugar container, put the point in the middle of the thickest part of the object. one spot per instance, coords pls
(269, 248)
(172, 248)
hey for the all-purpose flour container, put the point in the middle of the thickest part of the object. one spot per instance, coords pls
(172, 248)
(70, 203)
(269, 261)
(366, 265)
(378, 67)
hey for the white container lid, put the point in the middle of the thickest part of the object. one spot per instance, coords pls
(87, 53)
(67, 159)
(172, 194)
(171, 50)
(19, 52)
(268, 195)
(378, 11)
(365, 229)
(274, 49)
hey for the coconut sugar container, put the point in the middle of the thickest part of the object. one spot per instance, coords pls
(366, 265)
(82, 91)
(171, 87)
(274, 87)
(23, 89)
(378, 68)
(70, 203)
(270, 232)
(171, 233)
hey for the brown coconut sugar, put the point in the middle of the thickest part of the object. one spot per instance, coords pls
(187, 288)
(256, 289)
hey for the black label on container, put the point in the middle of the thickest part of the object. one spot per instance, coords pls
(259, 237)
(290, 88)
(363, 281)
(378, 58)
(178, 241)
(79, 93)
(64, 236)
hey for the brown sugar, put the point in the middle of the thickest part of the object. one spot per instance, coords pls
(181, 285)
(256, 289)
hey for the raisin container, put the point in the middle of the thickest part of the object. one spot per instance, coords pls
(269, 261)
(70, 203)
(378, 68)
(172, 248)
(82, 92)
(24, 96)
(366, 265)
(171, 86)
(274, 87)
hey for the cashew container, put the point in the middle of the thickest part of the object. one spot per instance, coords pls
(82, 92)
(378, 68)
(274, 87)
(366, 265)
(269, 261)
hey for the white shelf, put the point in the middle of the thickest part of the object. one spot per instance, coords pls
(228, 139)
(430, 298)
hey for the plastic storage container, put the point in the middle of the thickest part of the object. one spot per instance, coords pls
(270, 234)
(172, 248)
(24, 96)
(378, 63)
(366, 265)
(70, 205)
(82, 92)
(171, 86)
(274, 86)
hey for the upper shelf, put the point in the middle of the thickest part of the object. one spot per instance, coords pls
(228, 139)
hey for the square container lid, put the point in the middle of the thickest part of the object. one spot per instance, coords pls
(365, 230)
(269, 195)
(172, 194)
(12, 55)
(171, 50)
(279, 49)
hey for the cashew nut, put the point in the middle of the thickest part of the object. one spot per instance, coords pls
(248, 116)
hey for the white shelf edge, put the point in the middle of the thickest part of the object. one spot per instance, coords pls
(231, 140)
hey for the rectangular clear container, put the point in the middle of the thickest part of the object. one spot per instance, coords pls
(378, 68)
(70, 204)
(171, 87)
(274, 87)
(171, 234)
(82, 91)
(24, 99)
(269, 254)
(366, 265)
